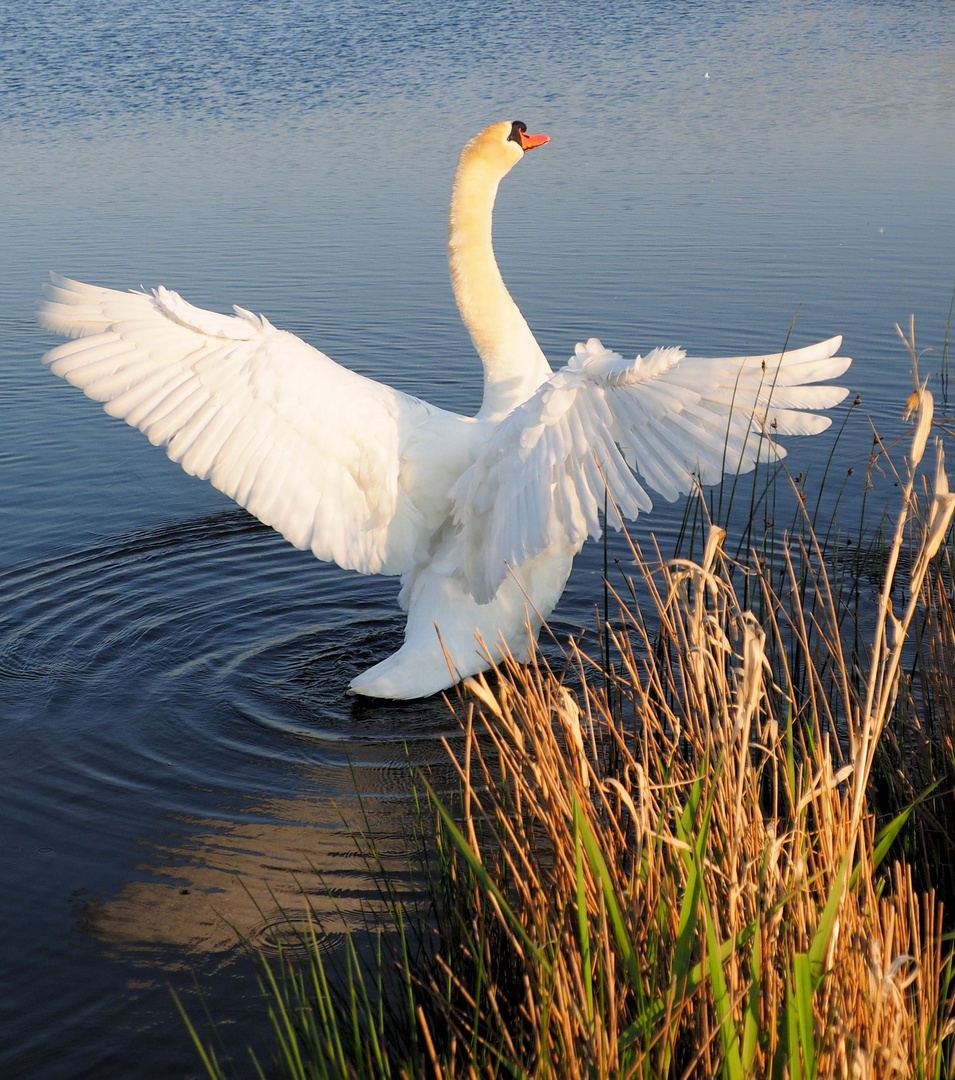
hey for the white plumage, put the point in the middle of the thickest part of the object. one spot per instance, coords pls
(481, 516)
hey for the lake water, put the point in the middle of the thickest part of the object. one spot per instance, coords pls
(177, 751)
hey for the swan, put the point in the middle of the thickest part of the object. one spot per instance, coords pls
(480, 516)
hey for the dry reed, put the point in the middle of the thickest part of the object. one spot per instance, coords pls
(666, 861)
(674, 869)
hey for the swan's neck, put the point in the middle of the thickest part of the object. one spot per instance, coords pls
(514, 365)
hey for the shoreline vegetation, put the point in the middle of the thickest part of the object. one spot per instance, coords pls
(718, 848)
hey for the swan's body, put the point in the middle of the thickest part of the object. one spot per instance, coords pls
(480, 516)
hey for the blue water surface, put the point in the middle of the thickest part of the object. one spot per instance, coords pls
(177, 751)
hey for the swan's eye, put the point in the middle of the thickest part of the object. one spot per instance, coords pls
(517, 129)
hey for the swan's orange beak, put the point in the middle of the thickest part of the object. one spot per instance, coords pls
(528, 142)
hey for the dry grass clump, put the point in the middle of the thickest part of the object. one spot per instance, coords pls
(674, 870)
(666, 862)
(668, 880)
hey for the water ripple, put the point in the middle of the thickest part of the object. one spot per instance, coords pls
(207, 638)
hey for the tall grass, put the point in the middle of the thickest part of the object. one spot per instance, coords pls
(670, 860)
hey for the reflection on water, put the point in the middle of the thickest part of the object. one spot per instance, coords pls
(177, 752)
(279, 864)
(175, 714)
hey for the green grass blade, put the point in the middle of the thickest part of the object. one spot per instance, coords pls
(284, 1025)
(802, 1000)
(721, 998)
(887, 834)
(686, 930)
(207, 1057)
(479, 871)
(684, 823)
(583, 929)
(601, 871)
(788, 1060)
(827, 922)
(690, 908)
(751, 1009)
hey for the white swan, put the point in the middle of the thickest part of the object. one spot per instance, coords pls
(480, 516)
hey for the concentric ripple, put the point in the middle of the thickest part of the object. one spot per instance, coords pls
(180, 634)
(180, 695)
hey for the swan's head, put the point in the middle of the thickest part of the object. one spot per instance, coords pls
(500, 147)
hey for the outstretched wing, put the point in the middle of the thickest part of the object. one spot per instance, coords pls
(673, 420)
(308, 447)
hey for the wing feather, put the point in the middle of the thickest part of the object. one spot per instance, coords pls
(324, 455)
(673, 421)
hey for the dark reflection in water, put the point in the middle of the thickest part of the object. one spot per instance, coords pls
(185, 731)
(177, 750)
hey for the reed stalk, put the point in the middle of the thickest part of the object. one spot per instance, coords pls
(673, 865)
